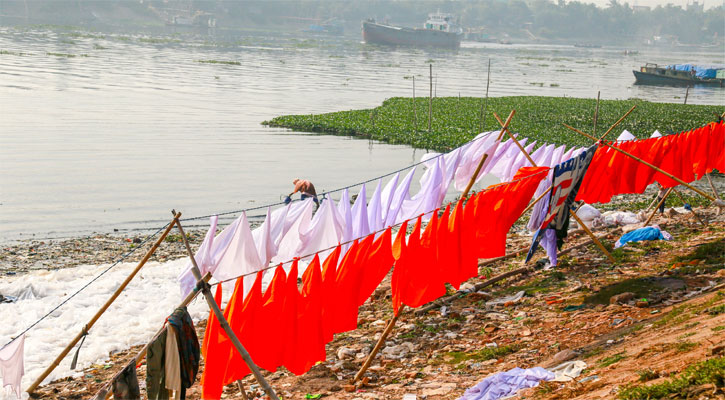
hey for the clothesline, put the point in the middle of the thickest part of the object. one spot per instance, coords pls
(323, 194)
(373, 233)
(118, 261)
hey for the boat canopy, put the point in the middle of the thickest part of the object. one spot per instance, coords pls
(705, 71)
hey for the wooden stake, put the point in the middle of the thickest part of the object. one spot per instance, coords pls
(515, 140)
(680, 181)
(687, 93)
(691, 210)
(430, 99)
(485, 156)
(415, 112)
(484, 105)
(391, 323)
(714, 192)
(596, 113)
(378, 345)
(242, 390)
(617, 123)
(142, 353)
(594, 238)
(100, 312)
(223, 321)
(659, 203)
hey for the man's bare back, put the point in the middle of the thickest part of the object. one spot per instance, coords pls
(304, 187)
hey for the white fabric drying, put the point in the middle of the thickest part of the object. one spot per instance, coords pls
(625, 136)
(240, 256)
(203, 258)
(343, 208)
(297, 220)
(325, 231)
(656, 134)
(11, 364)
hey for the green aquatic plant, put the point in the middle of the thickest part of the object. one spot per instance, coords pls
(457, 120)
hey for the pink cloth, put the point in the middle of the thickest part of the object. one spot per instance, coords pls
(386, 198)
(401, 194)
(428, 198)
(11, 364)
(360, 225)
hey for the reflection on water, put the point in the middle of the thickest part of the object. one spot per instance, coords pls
(105, 131)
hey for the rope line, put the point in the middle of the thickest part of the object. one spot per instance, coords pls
(322, 194)
(118, 261)
(376, 232)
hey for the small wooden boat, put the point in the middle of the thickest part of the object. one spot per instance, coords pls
(680, 75)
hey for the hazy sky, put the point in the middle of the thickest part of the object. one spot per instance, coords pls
(655, 3)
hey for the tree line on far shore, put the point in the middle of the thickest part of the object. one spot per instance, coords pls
(532, 20)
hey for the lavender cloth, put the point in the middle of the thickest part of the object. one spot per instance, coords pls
(507, 383)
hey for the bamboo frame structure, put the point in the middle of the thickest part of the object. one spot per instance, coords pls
(682, 199)
(142, 353)
(103, 309)
(391, 323)
(222, 320)
(659, 203)
(669, 175)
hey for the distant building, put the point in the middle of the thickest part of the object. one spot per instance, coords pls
(640, 8)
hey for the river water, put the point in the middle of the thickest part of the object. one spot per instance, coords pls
(104, 131)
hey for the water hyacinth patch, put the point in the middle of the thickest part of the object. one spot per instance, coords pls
(457, 120)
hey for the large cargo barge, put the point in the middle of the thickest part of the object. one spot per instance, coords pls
(440, 30)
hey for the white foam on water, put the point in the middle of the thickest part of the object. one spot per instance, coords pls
(131, 320)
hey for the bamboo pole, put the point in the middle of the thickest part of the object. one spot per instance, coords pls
(485, 156)
(223, 321)
(687, 93)
(391, 323)
(714, 192)
(430, 99)
(541, 196)
(617, 123)
(691, 210)
(659, 203)
(515, 140)
(378, 345)
(594, 238)
(100, 312)
(484, 105)
(415, 112)
(680, 181)
(596, 113)
(242, 390)
(142, 353)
